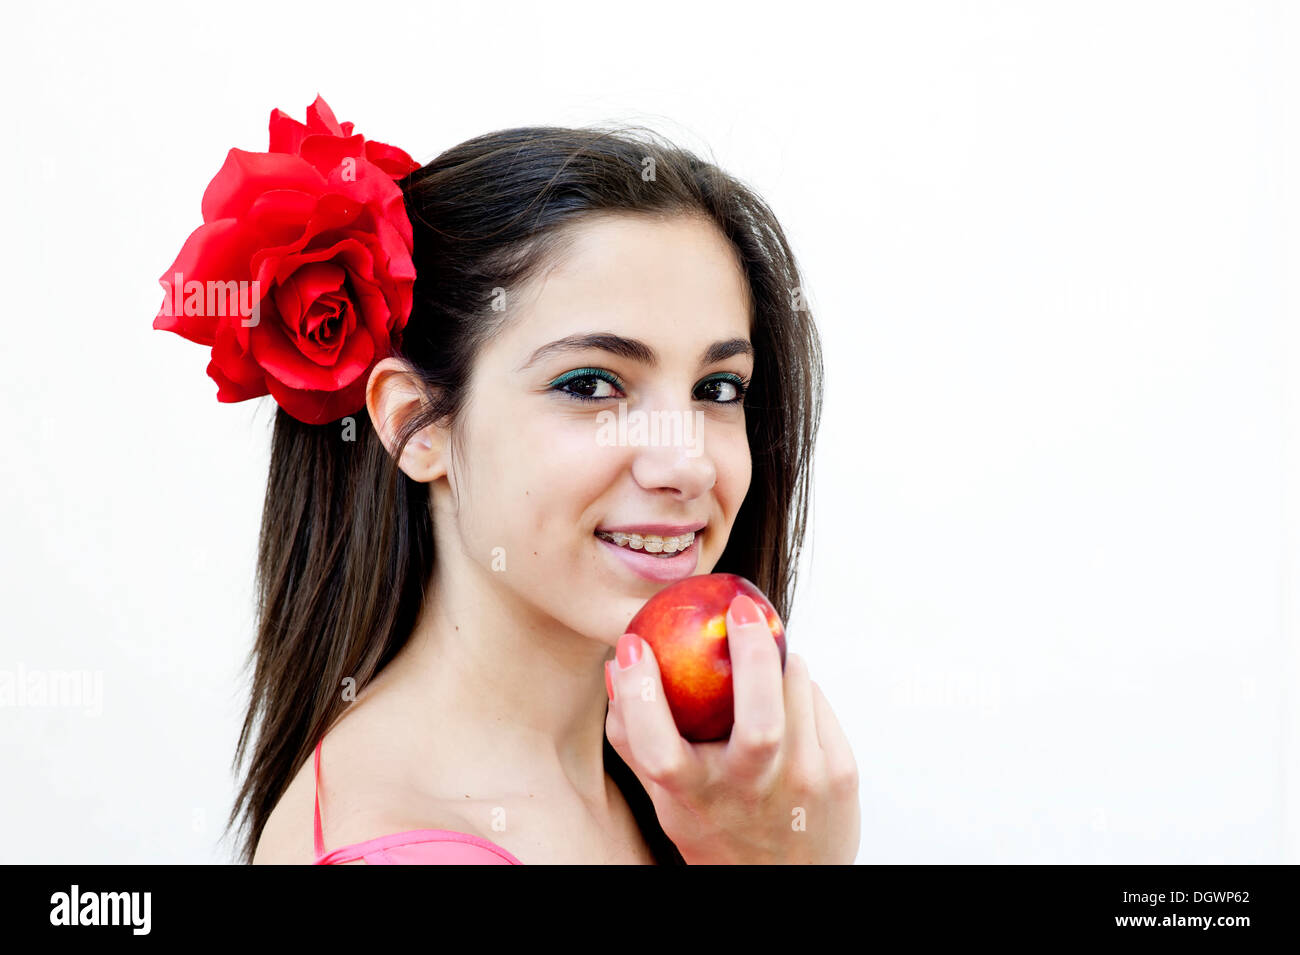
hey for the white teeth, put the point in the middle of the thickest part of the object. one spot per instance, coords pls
(650, 543)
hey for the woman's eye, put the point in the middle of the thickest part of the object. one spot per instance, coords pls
(723, 391)
(586, 384)
(593, 387)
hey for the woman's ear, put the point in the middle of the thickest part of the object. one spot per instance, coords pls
(394, 395)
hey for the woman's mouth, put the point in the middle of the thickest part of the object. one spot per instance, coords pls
(653, 556)
(650, 543)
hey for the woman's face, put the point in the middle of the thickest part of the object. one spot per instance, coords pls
(550, 457)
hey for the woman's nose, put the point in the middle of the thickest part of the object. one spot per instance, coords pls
(671, 451)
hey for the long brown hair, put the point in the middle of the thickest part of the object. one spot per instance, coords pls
(346, 547)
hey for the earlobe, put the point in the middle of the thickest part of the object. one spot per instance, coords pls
(422, 457)
(393, 397)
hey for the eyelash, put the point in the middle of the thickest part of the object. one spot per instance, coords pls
(582, 374)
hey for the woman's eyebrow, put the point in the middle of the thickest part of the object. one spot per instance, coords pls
(634, 350)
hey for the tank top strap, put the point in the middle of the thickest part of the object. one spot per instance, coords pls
(320, 841)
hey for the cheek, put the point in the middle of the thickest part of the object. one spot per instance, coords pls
(538, 475)
(734, 469)
(567, 471)
(493, 487)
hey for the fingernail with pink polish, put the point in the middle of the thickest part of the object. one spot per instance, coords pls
(629, 650)
(744, 610)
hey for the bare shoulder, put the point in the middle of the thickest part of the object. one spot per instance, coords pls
(289, 838)
(282, 841)
(364, 794)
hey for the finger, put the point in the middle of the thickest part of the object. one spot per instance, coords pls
(757, 688)
(652, 746)
(840, 764)
(614, 730)
(803, 751)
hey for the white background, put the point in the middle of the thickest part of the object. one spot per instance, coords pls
(1052, 252)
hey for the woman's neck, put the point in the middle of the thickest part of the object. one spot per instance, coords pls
(513, 699)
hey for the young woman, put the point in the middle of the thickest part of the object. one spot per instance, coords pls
(440, 585)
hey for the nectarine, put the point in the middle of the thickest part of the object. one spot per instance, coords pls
(685, 625)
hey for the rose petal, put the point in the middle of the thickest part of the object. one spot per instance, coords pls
(324, 310)
(373, 308)
(229, 390)
(319, 407)
(397, 163)
(335, 308)
(320, 118)
(245, 176)
(280, 216)
(237, 374)
(371, 186)
(286, 133)
(327, 153)
(397, 249)
(332, 213)
(276, 265)
(280, 357)
(316, 279)
(216, 251)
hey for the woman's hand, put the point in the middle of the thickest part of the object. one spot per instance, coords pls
(784, 787)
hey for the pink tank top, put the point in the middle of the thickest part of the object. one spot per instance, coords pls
(416, 847)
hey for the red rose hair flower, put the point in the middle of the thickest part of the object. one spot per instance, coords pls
(300, 277)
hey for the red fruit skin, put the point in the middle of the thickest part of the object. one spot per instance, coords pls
(685, 625)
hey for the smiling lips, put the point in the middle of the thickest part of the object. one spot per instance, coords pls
(652, 543)
(648, 555)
